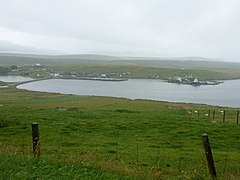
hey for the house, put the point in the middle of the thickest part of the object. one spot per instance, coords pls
(54, 74)
(37, 65)
(179, 79)
(73, 73)
(195, 82)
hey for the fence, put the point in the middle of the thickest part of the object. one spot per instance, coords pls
(216, 115)
(182, 156)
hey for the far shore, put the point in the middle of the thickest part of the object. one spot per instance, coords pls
(15, 84)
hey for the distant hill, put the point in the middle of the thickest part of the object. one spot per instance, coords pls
(71, 56)
(175, 62)
(168, 58)
(188, 64)
(100, 57)
(9, 47)
(87, 57)
(14, 58)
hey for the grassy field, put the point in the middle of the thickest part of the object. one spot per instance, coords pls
(113, 138)
(3, 83)
(162, 69)
(137, 71)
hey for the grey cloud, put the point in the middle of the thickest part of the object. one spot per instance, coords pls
(127, 27)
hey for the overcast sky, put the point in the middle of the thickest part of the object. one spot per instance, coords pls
(164, 28)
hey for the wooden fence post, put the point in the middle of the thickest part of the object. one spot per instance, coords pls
(209, 113)
(237, 116)
(190, 114)
(213, 114)
(35, 139)
(224, 116)
(209, 156)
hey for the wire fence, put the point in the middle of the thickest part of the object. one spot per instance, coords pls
(173, 155)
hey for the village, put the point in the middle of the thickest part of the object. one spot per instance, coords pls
(190, 80)
(39, 71)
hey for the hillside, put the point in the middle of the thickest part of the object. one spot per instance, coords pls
(185, 62)
(113, 138)
(95, 65)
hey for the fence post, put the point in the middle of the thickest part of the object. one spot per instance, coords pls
(190, 114)
(224, 116)
(35, 139)
(213, 114)
(209, 156)
(237, 116)
(209, 113)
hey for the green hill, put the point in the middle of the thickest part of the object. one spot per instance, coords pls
(113, 138)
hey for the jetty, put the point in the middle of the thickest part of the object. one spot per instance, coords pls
(14, 85)
(101, 79)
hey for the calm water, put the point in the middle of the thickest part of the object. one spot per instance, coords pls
(14, 78)
(226, 94)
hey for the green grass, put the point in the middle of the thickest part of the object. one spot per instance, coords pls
(149, 72)
(3, 83)
(29, 168)
(116, 138)
(136, 70)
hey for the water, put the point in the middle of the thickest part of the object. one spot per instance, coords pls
(14, 78)
(226, 94)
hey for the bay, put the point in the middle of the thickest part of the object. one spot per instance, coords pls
(225, 94)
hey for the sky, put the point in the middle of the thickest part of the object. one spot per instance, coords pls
(155, 28)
